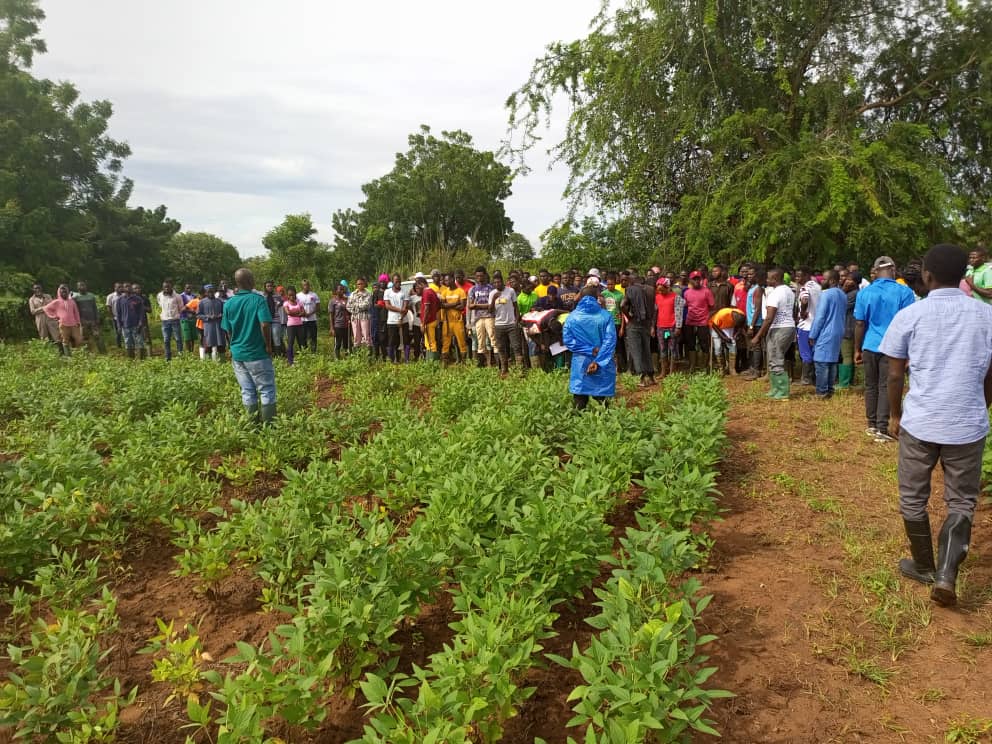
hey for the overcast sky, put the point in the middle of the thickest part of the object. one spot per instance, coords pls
(240, 112)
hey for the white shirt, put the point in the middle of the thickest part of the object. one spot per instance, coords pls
(169, 305)
(112, 304)
(310, 302)
(812, 291)
(396, 299)
(782, 298)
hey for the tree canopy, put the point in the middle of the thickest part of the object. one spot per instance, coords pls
(441, 193)
(64, 212)
(199, 257)
(807, 130)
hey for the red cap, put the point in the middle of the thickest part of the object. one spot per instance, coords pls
(695, 275)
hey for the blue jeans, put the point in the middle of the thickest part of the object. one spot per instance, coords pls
(134, 338)
(257, 380)
(825, 373)
(172, 329)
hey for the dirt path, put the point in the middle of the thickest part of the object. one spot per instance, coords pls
(819, 637)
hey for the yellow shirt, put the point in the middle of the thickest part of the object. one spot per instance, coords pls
(451, 314)
(541, 290)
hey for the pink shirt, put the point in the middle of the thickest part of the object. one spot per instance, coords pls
(65, 311)
(294, 320)
(699, 302)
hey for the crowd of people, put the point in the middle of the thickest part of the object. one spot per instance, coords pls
(799, 327)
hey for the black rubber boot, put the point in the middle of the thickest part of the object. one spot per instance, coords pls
(807, 375)
(955, 535)
(920, 567)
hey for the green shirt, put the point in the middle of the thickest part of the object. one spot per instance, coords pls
(982, 276)
(611, 301)
(525, 302)
(242, 315)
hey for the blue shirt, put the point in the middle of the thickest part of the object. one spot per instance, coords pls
(947, 338)
(828, 325)
(877, 305)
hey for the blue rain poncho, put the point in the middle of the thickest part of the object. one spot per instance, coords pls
(591, 336)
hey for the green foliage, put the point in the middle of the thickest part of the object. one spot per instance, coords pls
(199, 258)
(802, 131)
(63, 203)
(442, 193)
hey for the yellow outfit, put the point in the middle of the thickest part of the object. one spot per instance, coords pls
(541, 290)
(452, 319)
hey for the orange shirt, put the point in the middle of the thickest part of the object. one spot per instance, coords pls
(192, 305)
(724, 319)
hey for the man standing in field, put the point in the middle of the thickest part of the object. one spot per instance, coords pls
(699, 304)
(809, 299)
(111, 304)
(639, 309)
(89, 316)
(430, 307)
(133, 319)
(978, 279)
(946, 341)
(874, 309)
(481, 313)
(779, 327)
(48, 328)
(453, 301)
(827, 332)
(247, 321)
(311, 303)
(170, 305)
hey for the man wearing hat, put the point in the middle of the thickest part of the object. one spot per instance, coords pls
(874, 309)
(699, 304)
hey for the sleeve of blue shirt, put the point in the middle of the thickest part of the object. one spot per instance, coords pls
(861, 305)
(908, 298)
(818, 321)
(895, 343)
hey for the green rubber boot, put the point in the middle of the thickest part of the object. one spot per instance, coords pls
(252, 413)
(268, 412)
(780, 386)
(845, 376)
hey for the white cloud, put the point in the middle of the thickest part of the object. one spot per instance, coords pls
(241, 112)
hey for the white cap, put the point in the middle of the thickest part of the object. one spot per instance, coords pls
(593, 272)
(532, 278)
(419, 275)
(592, 281)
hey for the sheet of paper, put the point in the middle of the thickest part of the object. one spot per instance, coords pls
(557, 348)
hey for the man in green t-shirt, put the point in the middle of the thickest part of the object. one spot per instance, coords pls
(612, 297)
(978, 277)
(247, 319)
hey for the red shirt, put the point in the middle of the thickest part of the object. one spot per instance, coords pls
(740, 295)
(666, 309)
(429, 306)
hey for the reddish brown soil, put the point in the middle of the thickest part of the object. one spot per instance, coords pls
(785, 635)
(330, 393)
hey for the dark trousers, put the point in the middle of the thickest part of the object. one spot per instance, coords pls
(396, 339)
(697, 338)
(757, 354)
(876, 390)
(639, 347)
(581, 401)
(962, 466)
(340, 341)
(309, 334)
(294, 339)
(508, 345)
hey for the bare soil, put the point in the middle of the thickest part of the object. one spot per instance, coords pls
(790, 605)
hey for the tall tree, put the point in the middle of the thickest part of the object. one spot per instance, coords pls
(60, 186)
(441, 193)
(294, 252)
(797, 130)
(198, 257)
(516, 249)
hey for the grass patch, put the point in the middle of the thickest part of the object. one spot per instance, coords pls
(869, 670)
(968, 730)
